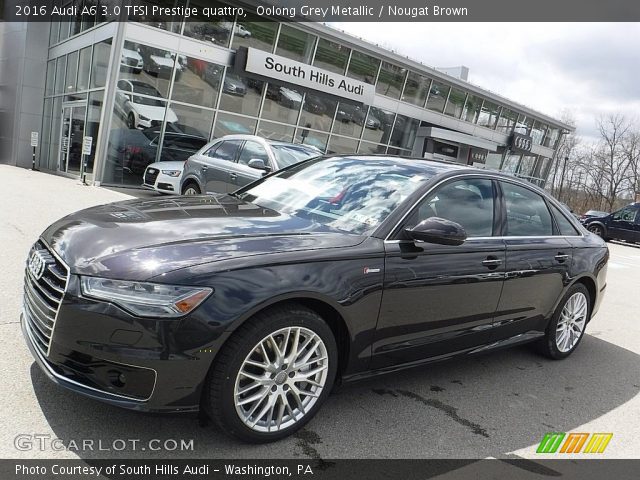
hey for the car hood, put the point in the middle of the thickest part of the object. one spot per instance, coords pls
(131, 54)
(173, 165)
(139, 239)
(155, 113)
(596, 219)
(165, 62)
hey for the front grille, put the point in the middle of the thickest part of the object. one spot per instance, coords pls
(43, 296)
(132, 62)
(150, 176)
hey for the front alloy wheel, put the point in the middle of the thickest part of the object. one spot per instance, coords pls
(281, 379)
(272, 375)
(597, 229)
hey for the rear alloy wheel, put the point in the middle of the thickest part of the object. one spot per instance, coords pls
(273, 375)
(567, 327)
(191, 189)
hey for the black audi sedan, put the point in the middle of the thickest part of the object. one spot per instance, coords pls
(623, 224)
(253, 305)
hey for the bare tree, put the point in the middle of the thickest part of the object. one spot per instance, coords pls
(611, 162)
(631, 152)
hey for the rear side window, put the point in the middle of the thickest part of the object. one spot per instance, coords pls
(211, 152)
(564, 225)
(226, 151)
(527, 212)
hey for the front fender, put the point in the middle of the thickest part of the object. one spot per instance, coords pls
(190, 178)
(342, 284)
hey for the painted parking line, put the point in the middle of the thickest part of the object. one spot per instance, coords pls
(619, 265)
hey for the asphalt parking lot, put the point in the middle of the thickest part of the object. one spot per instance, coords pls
(496, 405)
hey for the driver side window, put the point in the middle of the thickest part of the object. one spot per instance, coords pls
(468, 202)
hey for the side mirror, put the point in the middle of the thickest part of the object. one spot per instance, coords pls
(438, 230)
(258, 164)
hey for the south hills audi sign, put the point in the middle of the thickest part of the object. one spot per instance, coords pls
(289, 71)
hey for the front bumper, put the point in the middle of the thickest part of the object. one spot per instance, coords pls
(56, 377)
(164, 363)
(165, 184)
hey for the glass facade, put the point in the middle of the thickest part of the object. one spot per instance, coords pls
(74, 93)
(168, 101)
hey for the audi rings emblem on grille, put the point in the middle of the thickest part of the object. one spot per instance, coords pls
(37, 264)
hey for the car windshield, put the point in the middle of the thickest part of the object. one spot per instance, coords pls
(289, 154)
(350, 194)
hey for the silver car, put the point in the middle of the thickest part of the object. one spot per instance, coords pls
(233, 161)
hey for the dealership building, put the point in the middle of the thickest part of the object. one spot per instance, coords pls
(108, 98)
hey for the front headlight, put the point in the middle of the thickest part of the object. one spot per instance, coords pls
(146, 299)
(172, 173)
(143, 118)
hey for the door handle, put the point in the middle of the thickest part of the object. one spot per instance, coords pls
(491, 262)
(233, 176)
(205, 168)
(561, 257)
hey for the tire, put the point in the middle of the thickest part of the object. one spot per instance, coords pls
(131, 121)
(597, 229)
(191, 188)
(554, 344)
(275, 383)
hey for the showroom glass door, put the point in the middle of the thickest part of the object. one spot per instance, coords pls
(72, 131)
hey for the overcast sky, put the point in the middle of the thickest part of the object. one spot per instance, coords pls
(587, 68)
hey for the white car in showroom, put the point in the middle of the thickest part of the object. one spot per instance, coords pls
(131, 59)
(165, 175)
(138, 110)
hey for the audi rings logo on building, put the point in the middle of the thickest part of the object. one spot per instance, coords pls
(37, 263)
(521, 142)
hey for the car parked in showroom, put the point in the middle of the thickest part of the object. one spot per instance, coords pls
(233, 161)
(131, 151)
(165, 175)
(623, 224)
(591, 214)
(232, 85)
(160, 63)
(131, 60)
(252, 305)
(138, 109)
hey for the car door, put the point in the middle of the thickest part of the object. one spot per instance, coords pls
(623, 224)
(538, 262)
(441, 299)
(244, 174)
(218, 166)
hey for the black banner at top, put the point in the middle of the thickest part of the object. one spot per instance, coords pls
(326, 11)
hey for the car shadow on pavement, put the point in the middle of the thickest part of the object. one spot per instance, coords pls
(475, 407)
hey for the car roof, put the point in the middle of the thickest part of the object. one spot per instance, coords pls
(239, 136)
